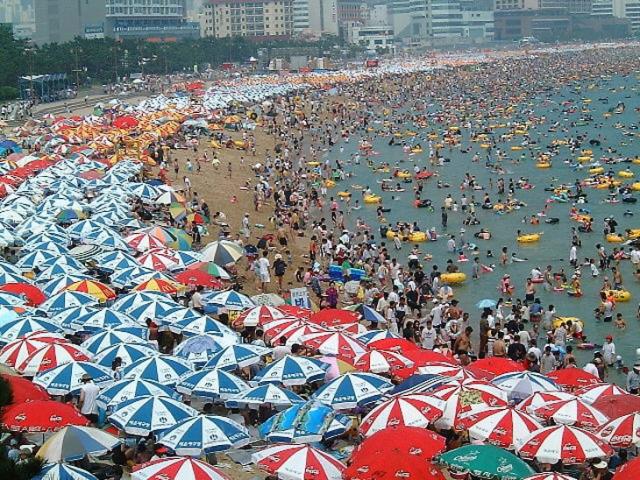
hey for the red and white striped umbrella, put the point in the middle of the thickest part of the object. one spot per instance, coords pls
(572, 412)
(144, 242)
(623, 432)
(461, 396)
(50, 356)
(298, 462)
(350, 328)
(415, 410)
(16, 352)
(447, 370)
(335, 343)
(550, 476)
(573, 378)
(159, 259)
(260, 315)
(539, 399)
(296, 332)
(381, 361)
(184, 468)
(275, 328)
(591, 394)
(561, 443)
(498, 426)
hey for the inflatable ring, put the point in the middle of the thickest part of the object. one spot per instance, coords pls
(619, 295)
(453, 278)
(530, 238)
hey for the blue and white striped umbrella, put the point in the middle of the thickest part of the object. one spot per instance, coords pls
(67, 378)
(59, 283)
(156, 310)
(126, 277)
(101, 319)
(19, 328)
(35, 259)
(67, 260)
(60, 237)
(144, 191)
(133, 301)
(375, 335)
(197, 349)
(291, 370)
(128, 353)
(60, 471)
(230, 299)
(8, 277)
(164, 369)
(237, 356)
(262, 394)
(8, 299)
(124, 390)
(305, 423)
(58, 270)
(84, 227)
(185, 258)
(115, 336)
(6, 267)
(204, 434)
(520, 385)
(115, 261)
(65, 300)
(212, 383)
(352, 390)
(47, 247)
(144, 415)
(66, 317)
(108, 239)
(200, 325)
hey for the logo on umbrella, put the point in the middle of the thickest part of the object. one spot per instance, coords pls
(55, 418)
(20, 417)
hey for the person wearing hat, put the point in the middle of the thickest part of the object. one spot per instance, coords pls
(601, 471)
(633, 379)
(279, 268)
(609, 351)
(88, 399)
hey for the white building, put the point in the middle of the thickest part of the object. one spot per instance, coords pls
(373, 37)
(629, 9)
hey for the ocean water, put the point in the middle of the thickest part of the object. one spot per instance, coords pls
(554, 246)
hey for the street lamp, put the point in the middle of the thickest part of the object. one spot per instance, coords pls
(77, 70)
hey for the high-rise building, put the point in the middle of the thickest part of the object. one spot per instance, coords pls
(161, 20)
(63, 20)
(248, 18)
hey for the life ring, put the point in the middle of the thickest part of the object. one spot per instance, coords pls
(344, 194)
(516, 148)
(635, 187)
(418, 237)
(619, 295)
(633, 233)
(329, 183)
(558, 321)
(596, 170)
(584, 158)
(625, 174)
(543, 165)
(530, 238)
(453, 278)
(614, 238)
(402, 174)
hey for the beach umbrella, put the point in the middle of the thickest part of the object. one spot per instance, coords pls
(12, 300)
(445, 369)
(164, 369)
(124, 390)
(177, 468)
(259, 315)
(275, 328)
(295, 332)
(41, 416)
(622, 432)
(133, 301)
(126, 277)
(76, 442)
(143, 242)
(159, 285)
(230, 299)
(614, 406)
(115, 336)
(65, 318)
(198, 278)
(198, 349)
(333, 317)
(190, 322)
(335, 343)
(204, 434)
(31, 293)
(305, 423)
(116, 261)
(212, 269)
(169, 198)
(59, 269)
(101, 319)
(67, 378)
(412, 410)
(337, 367)
(60, 471)
(35, 259)
(292, 370)
(381, 361)
(540, 399)
(562, 443)
(237, 356)
(128, 353)
(185, 259)
(374, 335)
(143, 191)
(50, 356)
(153, 414)
(269, 393)
(22, 326)
(592, 393)
(549, 476)
(367, 313)
(298, 462)
(60, 283)
(16, 352)
(7, 277)
(352, 390)
(222, 252)
(497, 365)
(83, 228)
(572, 412)
(23, 390)
(486, 461)
(573, 378)
(212, 383)
(461, 396)
(159, 259)
(520, 385)
(96, 289)
(498, 426)
(486, 303)
(628, 471)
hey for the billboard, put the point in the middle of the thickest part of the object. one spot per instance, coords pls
(95, 30)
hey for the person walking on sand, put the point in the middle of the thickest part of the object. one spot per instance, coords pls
(263, 271)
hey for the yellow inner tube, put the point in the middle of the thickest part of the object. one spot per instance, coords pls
(596, 170)
(329, 183)
(633, 233)
(613, 238)
(559, 320)
(313, 164)
(344, 194)
(543, 165)
(625, 174)
(635, 186)
(372, 199)
(416, 150)
(403, 174)
(516, 148)
(530, 238)
(453, 278)
(485, 145)
(418, 237)
(620, 295)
